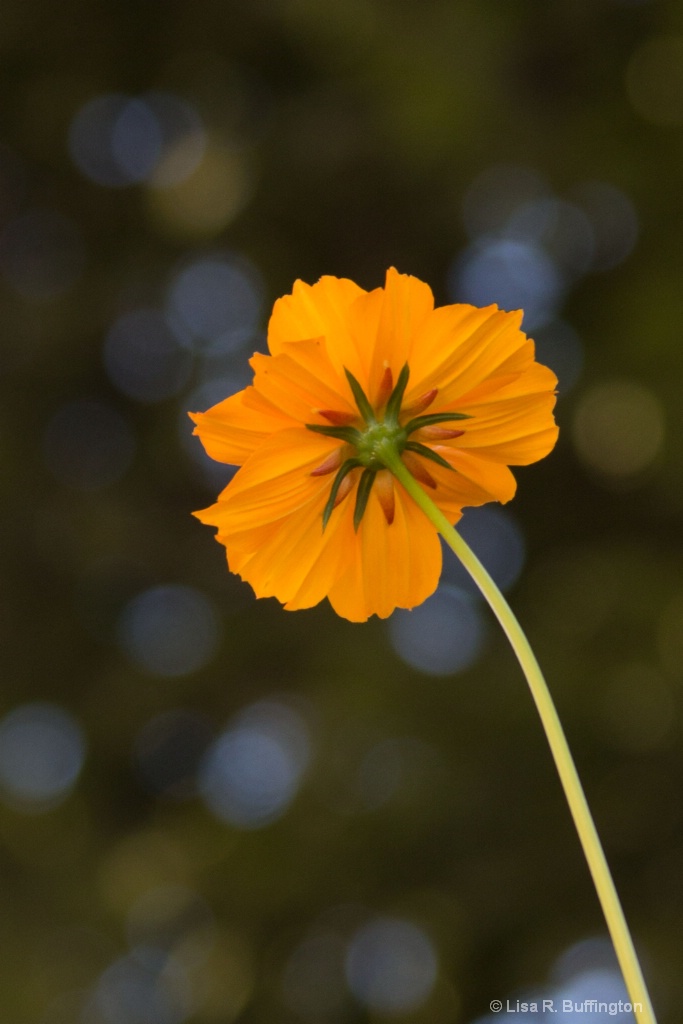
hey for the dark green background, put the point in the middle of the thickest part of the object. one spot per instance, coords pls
(358, 125)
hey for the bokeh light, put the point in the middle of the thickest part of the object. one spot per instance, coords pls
(585, 980)
(618, 430)
(498, 542)
(391, 966)
(595, 953)
(442, 636)
(205, 203)
(143, 357)
(147, 986)
(135, 140)
(42, 750)
(253, 771)
(529, 247)
(561, 228)
(512, 274)
(183, 139)
(91, 140)
(215, 304)
(118, 140)
(605, 986)
(170, 630)
(517, 229)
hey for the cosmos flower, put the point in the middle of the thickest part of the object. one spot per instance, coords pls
(313, 512)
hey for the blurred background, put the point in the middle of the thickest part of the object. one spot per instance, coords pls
(212, 810)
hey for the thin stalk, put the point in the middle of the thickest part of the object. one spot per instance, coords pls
(592, 848)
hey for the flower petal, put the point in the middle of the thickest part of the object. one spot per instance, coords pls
(516, 425)
(269, 519)
(319, 311)
(386, 567)
(294, 561)
(301, 381)
(384, 323)
(273, 483)
(234, 428)
(460, 346)
(406, 305)
(472, 481)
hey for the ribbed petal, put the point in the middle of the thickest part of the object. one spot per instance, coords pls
(406, 305)
(384, 324)
(530, 379)
(301, 382)
(296, 562)
(516, 425)
(472, 481)
(460, 346)
(386, 567)
(234, 428)
(275, 482)
(319, 311)
(269, 519)
(486, 369)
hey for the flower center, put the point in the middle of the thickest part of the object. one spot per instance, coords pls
(373, 444)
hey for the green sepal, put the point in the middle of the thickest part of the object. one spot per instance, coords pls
(427, 453)
(349, 434)
(362, 494)
(360, 398)
(343, 471)
(431, 419)
(396, 397)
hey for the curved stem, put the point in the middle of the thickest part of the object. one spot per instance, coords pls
(614, 915)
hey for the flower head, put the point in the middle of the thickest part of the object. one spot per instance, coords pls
(352, 375)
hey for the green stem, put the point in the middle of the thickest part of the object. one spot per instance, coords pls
(614, 915)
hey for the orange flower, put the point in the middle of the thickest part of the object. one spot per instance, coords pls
(312, 512)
